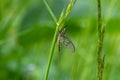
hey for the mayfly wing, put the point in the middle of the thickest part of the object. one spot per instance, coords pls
(68, 43)
(65, 40)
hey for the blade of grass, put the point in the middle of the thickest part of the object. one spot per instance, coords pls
(50, 11)
(51, 53)
(53, 42)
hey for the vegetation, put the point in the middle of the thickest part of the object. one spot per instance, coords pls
(28, 33)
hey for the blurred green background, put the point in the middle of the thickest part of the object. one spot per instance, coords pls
(26, 32)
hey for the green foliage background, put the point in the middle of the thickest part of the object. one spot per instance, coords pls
(26, 32)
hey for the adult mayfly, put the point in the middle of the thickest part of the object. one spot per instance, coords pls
(65, 40)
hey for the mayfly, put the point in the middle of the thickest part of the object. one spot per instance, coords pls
(65, 40)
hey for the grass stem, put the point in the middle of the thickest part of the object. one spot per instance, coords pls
(100, 57)
(51, 53)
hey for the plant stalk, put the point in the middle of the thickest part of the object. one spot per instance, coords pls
(53, 42)
(100, 57)
(51, 53)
